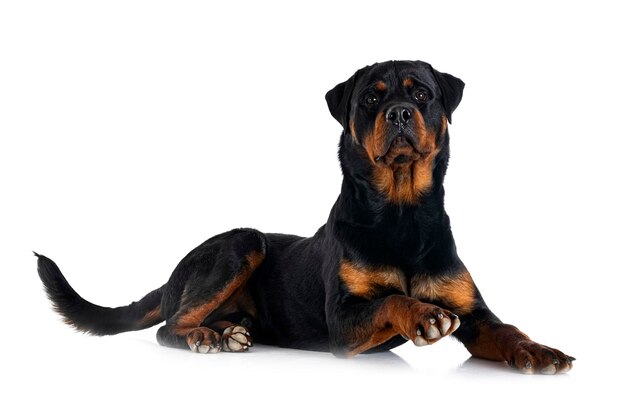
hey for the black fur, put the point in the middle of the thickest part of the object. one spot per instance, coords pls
(300, 301)
(90, 318)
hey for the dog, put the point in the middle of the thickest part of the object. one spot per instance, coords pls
(383, 270)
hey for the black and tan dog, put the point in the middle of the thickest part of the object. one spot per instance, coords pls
(381, 271)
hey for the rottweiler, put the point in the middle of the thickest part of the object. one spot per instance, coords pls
(383, 270)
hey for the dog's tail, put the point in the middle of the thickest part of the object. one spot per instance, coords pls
(94, 319)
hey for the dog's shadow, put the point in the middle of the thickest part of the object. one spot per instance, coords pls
(287, 357)
(480, 367)
(471, 367)
(379, 360)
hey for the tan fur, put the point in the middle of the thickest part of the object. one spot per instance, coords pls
(353, 131)
(192, 318)
(394, 310)
(496, 342)
(152, 317)
(366, 282)
(456, 291)
(405, 183)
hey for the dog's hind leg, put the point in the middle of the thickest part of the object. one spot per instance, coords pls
(207, 287)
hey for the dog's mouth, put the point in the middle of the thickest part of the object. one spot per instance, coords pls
(399, 150)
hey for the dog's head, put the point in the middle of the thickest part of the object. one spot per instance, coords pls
(395, 116)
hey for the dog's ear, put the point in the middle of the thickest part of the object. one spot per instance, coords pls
(338, 100)
(451, 91)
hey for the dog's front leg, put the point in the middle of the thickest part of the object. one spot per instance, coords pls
(485, 336)
(357, 325)
(482, 332)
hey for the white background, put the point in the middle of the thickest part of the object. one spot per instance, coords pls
(132, 131)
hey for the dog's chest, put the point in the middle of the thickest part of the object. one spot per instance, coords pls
(375, 282)
(371, 282)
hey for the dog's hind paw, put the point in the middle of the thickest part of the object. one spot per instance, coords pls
(204, 341)
(236, 338)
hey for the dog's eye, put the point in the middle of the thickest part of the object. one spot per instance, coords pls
(371, 100)
(421, 96)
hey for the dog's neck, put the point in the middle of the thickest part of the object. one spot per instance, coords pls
(387, 234)
(362, 205)
(362, 212)
(360, 194)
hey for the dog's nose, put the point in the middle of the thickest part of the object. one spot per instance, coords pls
(398, 115)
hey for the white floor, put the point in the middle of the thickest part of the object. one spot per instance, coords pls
(131, 131)
(63, 370)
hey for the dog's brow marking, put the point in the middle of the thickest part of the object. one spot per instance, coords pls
(380, 85)
(457, 290)
(407, 83)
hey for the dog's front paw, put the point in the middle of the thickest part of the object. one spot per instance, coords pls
(533, 358)
(429, 323)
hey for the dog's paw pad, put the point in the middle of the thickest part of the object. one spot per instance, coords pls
(446, 323)
(419, 340)
(433, 323)
(236, 338)
(433, 332)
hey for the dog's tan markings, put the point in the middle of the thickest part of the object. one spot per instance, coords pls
(202, 340)
(502, 342)
(375, 141)
(456, 291)
(381, 328)
(401, 315)
(220, 326)
(444, 125)
(407, 83)
(353, 131)
(190, 318)
(365, 283)
(240, 301)
(402, 183)
(151, 317)
(380, 86)
(423, 168)
(490, 341)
